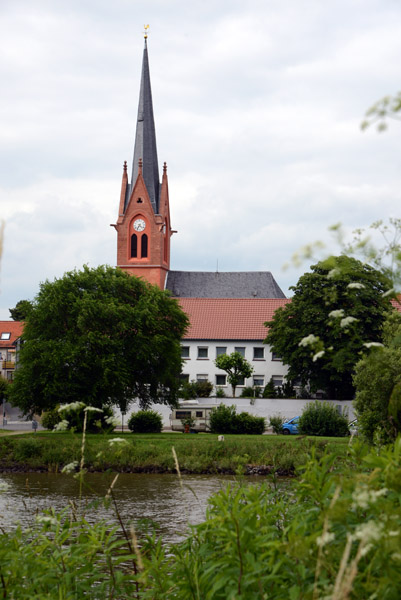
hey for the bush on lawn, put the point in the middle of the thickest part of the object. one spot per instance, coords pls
(145, 421)
(276, 422)
(50, 418)
(321, 418)
(224, 419)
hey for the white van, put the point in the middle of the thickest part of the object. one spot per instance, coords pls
(191, 410)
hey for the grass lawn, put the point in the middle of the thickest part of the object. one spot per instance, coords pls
(197, 453)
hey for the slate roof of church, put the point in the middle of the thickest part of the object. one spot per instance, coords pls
(229, 318)
(145, 140)
(241, 284)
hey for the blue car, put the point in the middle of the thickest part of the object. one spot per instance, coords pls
(291, 426)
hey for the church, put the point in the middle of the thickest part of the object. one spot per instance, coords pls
(227, 310)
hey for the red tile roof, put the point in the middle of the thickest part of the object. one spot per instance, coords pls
(14, 328)
(229, 318)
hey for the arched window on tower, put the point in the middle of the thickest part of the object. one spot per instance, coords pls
(134, 245)
(144, 246)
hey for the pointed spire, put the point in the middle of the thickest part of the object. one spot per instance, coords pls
(145, 139)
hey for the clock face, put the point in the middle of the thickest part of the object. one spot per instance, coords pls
(139, 225)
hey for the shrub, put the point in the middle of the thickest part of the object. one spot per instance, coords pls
(251, 392)
(220, 393)
(224, 419)
(187, 390)
(221, 419)
(270, 390)
(246, 423)
(203, 388)
(195, 389)
(96, 421)
(276, 422)
(145, 421)
(321, 418)
(50, 418)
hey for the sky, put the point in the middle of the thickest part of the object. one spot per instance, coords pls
(258, 107)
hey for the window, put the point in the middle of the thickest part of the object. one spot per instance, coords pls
(201, 377)
(241, 381)
(184, 377)
(182, 414)
(258, 380)
(258, 354)
(134, 245)
(144, 246)
(199, 414)
(276, 356)
(221, 350)
(240, 350)
(184, 351)
(203, 352)
(277, 380)
(221, 379)
(5, 335)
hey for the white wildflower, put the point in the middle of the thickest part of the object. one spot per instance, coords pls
(362, 496)
(373, 345)
(3, 486)
(117, 441)
(393, 533)
(369, 532)
(46, 520)
(325, 538)
(347, 321)
(396, 556)
(111, 420)
(71, 407)
(336, 314)
(93, 409)
(355, 286)
(70, 467)
(308, 340)
(62, 426)
(333, 273)
(366, 549)
(318, 355)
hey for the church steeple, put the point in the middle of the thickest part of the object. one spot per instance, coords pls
(145, 139)
(143, 224)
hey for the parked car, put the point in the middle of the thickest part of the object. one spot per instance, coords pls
(291, 426)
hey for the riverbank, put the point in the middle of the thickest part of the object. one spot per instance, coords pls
(147, 453)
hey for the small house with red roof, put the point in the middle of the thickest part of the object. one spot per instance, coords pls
(10, 332)
(227, 311)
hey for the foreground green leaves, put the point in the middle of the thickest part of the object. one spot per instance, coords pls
(327, 536)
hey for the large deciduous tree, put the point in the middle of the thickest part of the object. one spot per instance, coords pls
(336, 309)
(236, 367)
(102, 337)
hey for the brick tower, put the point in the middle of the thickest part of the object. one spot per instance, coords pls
(143, 224)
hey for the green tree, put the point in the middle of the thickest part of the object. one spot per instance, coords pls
(378, 380)
(21, 310)
(102, 337)
(336, 309)
(236, 367)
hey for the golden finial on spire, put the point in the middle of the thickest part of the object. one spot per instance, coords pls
(146, 27)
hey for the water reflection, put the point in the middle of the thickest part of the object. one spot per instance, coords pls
(156, 497)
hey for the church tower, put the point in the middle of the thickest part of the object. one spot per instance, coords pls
(143, 224)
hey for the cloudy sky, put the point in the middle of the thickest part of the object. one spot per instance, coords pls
(257, 105)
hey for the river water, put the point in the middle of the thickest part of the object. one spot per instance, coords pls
(160, 498)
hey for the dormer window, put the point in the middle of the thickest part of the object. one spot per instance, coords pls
(5, 335)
